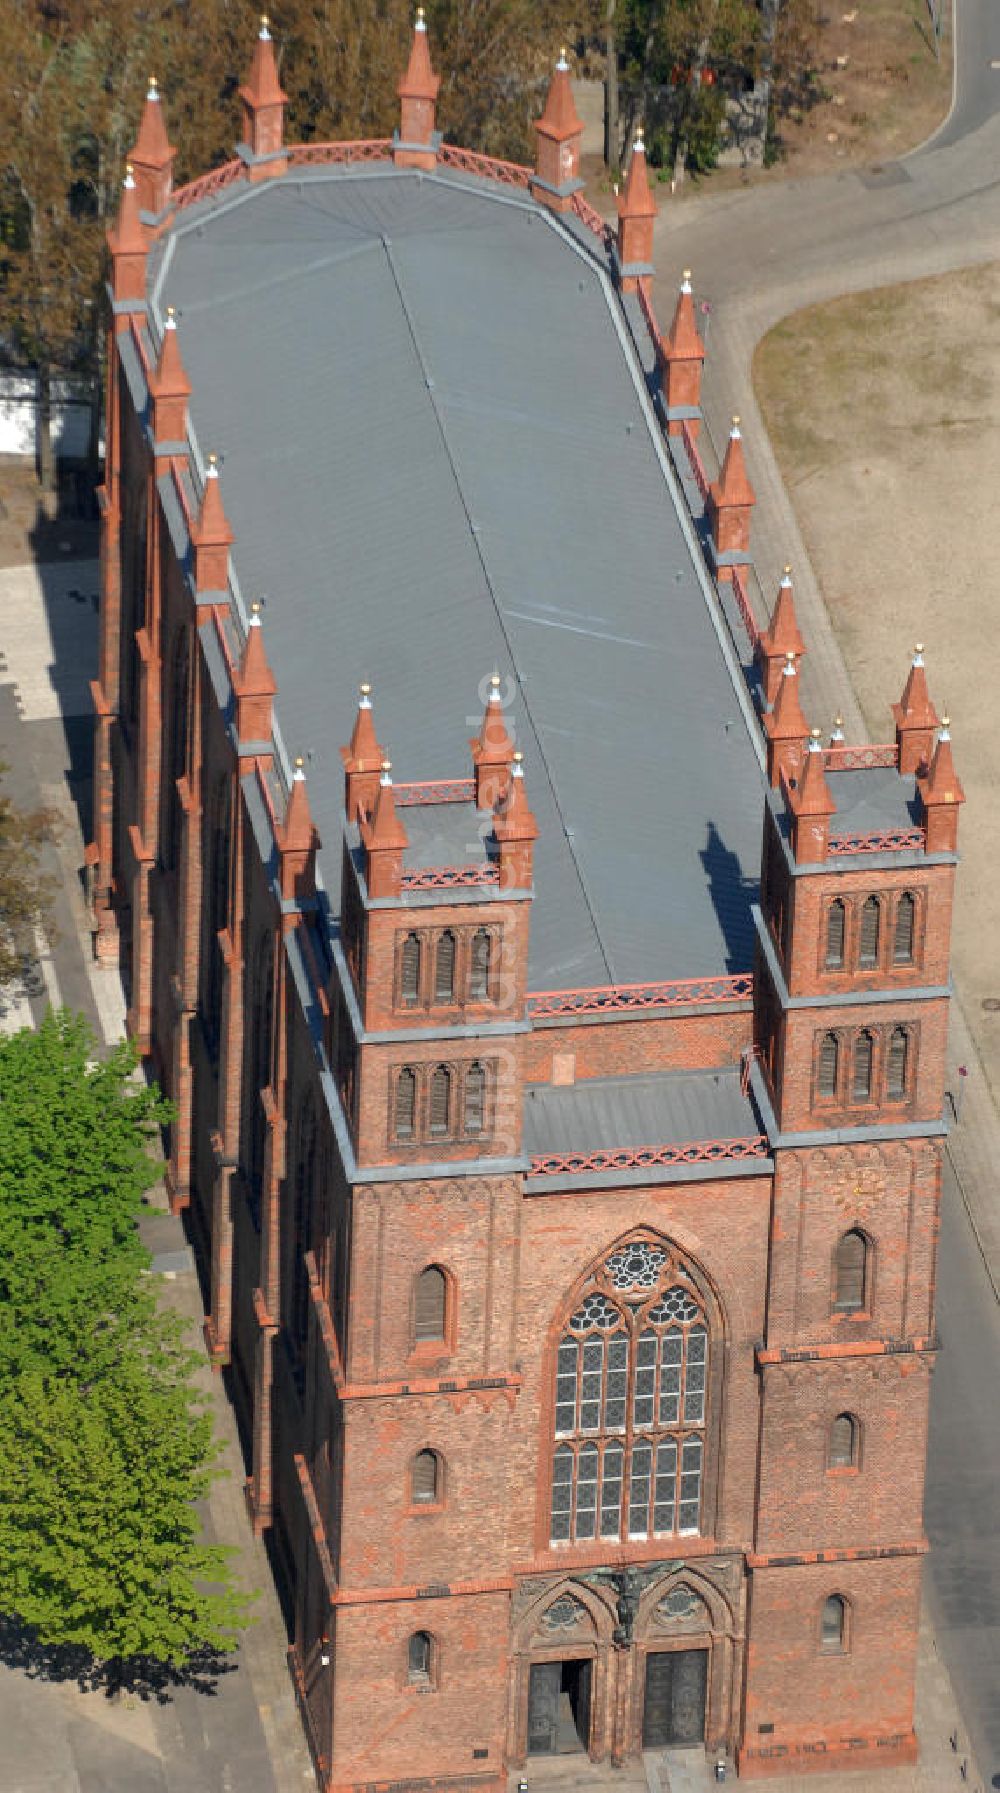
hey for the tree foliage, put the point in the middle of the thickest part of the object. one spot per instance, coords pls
(25, 890)
(75, 78)
(103, 1443)
(680, 57)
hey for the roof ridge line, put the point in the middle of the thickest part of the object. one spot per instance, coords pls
(475, 538)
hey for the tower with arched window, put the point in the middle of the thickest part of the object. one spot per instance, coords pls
(851, 1004)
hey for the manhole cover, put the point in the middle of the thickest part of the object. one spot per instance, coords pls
(991, 1004)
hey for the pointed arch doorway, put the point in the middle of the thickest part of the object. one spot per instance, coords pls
(559, 1701)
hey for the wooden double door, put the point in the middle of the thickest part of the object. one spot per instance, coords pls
(673, 1711)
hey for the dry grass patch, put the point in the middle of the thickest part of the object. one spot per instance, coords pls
(883, 409)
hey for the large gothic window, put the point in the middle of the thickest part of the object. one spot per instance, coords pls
(631, 1396)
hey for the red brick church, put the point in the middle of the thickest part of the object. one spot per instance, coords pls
(555, 1031)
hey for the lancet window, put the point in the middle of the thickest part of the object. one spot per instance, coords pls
(631, 1402)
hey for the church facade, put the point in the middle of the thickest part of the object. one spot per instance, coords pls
(559, 1109)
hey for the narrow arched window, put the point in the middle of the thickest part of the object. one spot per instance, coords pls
(444, 968)
(835, 935)
(409, 971)
(833, 1625)
(303, 1219)
(902, 943)
(177, 709)
(843, 1442)
(897, 1066)
(430, 1304)
(868, 943)
(475, 1098)
(425, 1478)
(864, 1054)
(259, 1062)
(440, 1106)
(851, 1278)
(479, 967)
(829, 1064)
(216, 911)
(405, 1103)
(418, 1656)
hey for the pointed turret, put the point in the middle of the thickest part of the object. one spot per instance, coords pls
(941, 793)
(153, 156)
(786, 728)
(492, 751)
(211, 535)
(781, 638)
(263, 101)
(297, 844)
(128, 241)
(915, 717)
(682, 357)
(560, 134)
(516, 831)
(254, 685)
(811, 806)
(384, 839)
(415, 144)
(636, 214)
(363, 760)
(170, 389)
(731, 499)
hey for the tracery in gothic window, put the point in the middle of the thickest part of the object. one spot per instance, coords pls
(631, 1402)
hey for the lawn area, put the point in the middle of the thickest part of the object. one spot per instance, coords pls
(883, 410)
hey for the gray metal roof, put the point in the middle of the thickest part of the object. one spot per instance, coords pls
(662, 1108)
(872, 798)
(438, 456)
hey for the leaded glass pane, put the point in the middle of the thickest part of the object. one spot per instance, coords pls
(675, 1304)
(562, 1494)
(566, 1363)
(611, 1491)
(694, 1380)
(645, 1382)
(638, 1493)
(596, 1312)
(586, 1492)
(636, 1266)
(666, 1485)
(671, 1350)
(689, 1505)
(590, 1386)
(616, 1393)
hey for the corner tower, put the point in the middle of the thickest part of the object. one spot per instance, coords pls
(851, 1016)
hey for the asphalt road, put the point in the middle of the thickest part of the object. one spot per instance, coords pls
(962, 1512)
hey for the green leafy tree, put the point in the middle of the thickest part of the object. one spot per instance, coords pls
(104, 1447)
(100, 1544)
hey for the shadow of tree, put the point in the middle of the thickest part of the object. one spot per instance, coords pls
(142, 1677)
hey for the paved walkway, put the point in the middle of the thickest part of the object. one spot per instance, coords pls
(244, 1734)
